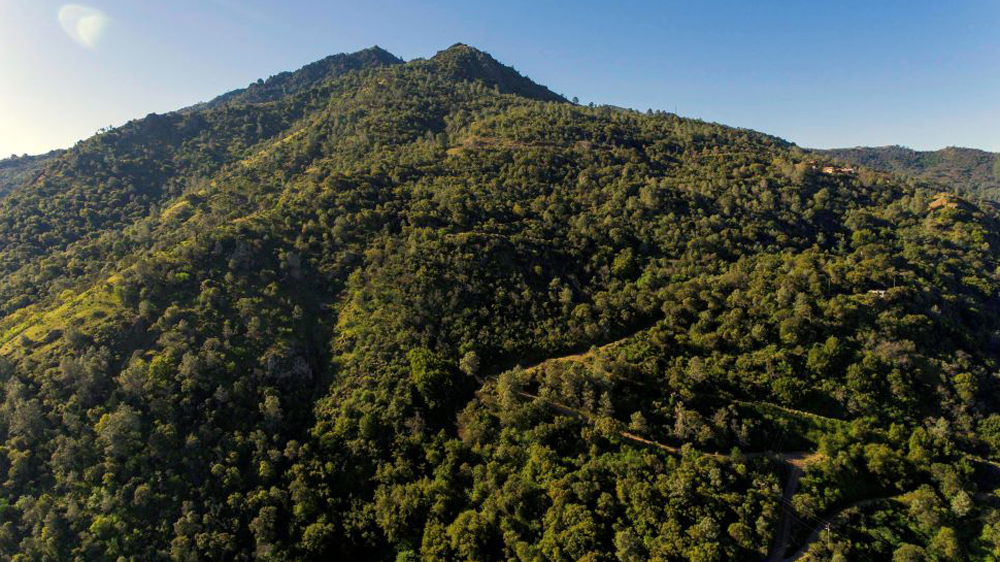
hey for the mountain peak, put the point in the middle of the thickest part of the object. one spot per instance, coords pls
(464, 62)
(377, 53)
(461, 47)
(313, 73)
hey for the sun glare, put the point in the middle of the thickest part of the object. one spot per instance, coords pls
(83, 24)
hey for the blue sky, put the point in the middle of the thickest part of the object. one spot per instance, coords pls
(821, 74)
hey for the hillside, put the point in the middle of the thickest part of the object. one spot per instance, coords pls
(432, 311)
(286, 84)
(20, 169)
(971, 171)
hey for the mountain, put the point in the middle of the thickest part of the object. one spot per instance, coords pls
(971, 171)
(290, 83)
(19, 169)
(462, 62)
(432, 311)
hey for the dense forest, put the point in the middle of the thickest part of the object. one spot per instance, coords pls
(965, 170)
(432, 311)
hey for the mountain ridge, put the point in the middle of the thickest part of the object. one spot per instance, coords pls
(972, 170)
(290, 82)
(219, 131)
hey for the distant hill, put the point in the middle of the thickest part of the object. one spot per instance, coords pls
(19, 169)
(966, 169)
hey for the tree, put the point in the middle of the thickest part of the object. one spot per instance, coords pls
(638, 424)
(945, 544)
(908, 553)
(119, 431)
(989, 432)
(469, 534)
(469, 364)
(629, 548)
(431, 376)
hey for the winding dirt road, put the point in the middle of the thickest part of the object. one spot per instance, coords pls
(830, 521)
(796, 462)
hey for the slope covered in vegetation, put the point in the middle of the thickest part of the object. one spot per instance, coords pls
(294, 328)
(971, 171)
(19, 169)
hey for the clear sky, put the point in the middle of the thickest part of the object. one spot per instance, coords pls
(822, 74)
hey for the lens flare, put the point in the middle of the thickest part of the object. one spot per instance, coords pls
(83, 24)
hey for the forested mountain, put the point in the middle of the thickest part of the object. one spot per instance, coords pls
(20, 169)
(290, 83)
(433, 311)
(971, 171)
